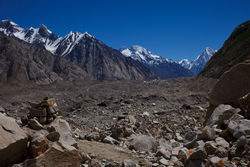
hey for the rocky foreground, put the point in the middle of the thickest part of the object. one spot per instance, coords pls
(170, 125)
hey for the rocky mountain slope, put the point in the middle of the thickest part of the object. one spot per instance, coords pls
(103, 62)
(235, 50)
(164, 68)
(92, 55)
(198, 64)
(21, 61)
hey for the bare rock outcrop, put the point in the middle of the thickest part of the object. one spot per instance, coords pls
(57, 156)
(232, 85)
(13, 141)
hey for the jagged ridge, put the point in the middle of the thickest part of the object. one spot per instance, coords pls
(164, 68)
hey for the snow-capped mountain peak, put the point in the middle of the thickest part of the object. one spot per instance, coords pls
(71, 40)
(185, 63)
(44, 37)
(197, 65)
(9, 27)
(9, 22)
(86, 34)
(164, 68)
(44, 31)
(141, 54)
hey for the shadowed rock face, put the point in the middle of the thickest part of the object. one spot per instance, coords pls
(26, 62)
(103, 62)
(170, 70)
(232, 85)
(235, 50)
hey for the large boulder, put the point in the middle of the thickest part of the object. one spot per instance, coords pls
(220, 114)
(232, 85)
(57, 156)
(62, 127)
(142, 143)
(13, 141)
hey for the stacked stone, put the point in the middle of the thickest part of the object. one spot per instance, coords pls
(45, 112)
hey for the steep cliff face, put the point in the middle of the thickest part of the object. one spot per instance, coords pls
(235, 50)
(22, 61)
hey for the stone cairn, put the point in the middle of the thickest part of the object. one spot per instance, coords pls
(45, 112)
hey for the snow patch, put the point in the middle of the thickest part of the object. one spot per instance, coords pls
(72, 39)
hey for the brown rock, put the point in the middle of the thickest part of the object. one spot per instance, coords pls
(232, 85)
(222, 142)
(224, 134)
(53, 136)
(63, 128)
(2, 110)
(196, 158)
(13, 141)
(50, 119)
(50, 110)
(163, 161)
(38, 146)
(117, 132)
(183, 154)
(243, 128)
(163, 152)
(132, 119)
(58, 156)
(42, 120)
(94, 163)
(176, 151)
(47, 102)
(221, 152)
(37, 112)
(245, 105)
(210, 147)
(128, 163)
(207, 134)
(217, 162)
(34, 124)
(127, 132)
(198, 154)
(221, 113)
(110, 140)
(94, 136)
(85, 157)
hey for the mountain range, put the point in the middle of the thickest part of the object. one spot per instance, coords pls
(167, 68)
(21, 61)
(164, 68)
(84, 50)
(101, 62)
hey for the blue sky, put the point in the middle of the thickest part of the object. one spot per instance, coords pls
(174, 29)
